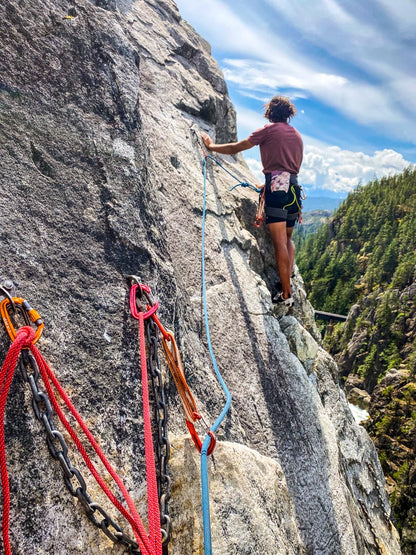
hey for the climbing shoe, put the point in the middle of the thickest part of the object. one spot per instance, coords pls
(278, 299)
(278, 287)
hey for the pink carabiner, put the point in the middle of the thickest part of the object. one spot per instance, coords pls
(151, 309)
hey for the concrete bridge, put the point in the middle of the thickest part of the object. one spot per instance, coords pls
(319, 315)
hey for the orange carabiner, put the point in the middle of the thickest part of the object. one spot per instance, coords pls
(29, 315)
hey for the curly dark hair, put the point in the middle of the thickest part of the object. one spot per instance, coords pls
(279, 109)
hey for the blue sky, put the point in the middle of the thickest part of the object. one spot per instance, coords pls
(349, 66)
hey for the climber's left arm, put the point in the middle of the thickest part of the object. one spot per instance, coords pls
(226, 148)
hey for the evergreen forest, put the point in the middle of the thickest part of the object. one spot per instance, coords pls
(362, 262)
(369, 243)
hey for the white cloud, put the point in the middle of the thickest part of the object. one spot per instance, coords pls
(254, 74)
(335, 169)
(403, 14)
(365, 34)
(221, 25)
(362, 102)
(330, 167)
(256, 169)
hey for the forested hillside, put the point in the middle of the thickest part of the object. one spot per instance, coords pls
(369, 243)
(363, 263)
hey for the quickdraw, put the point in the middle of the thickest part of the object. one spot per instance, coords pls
(33, 366)
(210, 157)
(260, 209)
(173, 359)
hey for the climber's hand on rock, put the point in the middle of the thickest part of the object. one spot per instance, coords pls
(207, 140)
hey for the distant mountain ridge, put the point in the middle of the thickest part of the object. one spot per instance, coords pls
(321, 199)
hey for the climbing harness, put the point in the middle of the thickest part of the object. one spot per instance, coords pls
(281, 213)
(33, 365)
(276, 212)
(294, 201)
(208, 439)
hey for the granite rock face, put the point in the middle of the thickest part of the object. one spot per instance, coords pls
(101, 178)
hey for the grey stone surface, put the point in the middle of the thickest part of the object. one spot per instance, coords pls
(101, 178)
(359, 397)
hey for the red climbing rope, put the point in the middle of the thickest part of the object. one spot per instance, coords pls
(149, 544)
(152, 494)
(173, 359)
(23, 339)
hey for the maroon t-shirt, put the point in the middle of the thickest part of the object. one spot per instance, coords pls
(281, 147)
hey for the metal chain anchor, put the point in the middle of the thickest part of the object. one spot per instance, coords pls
(58, 448)
(162, 444)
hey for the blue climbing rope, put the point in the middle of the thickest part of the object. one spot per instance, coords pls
(214, 427)
(240, 183)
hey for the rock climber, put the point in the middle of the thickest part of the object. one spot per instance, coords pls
(281, 151)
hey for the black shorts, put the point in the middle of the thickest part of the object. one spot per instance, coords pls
(281, 206)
